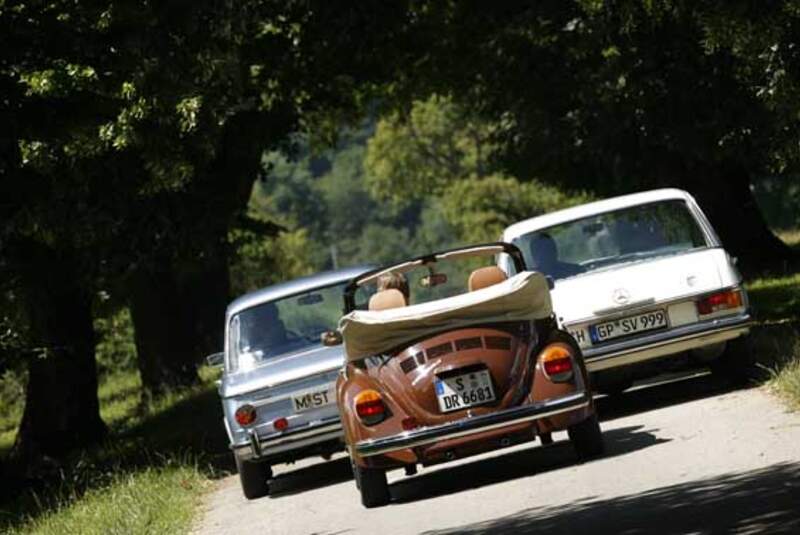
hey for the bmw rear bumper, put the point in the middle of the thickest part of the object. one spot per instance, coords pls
(283, 444)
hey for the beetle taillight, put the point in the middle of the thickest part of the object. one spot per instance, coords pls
(719, 301)
(556, 362)
(369, 406)
(245, 415)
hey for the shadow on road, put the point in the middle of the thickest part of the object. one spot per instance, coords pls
(664, 391)
(758, 501)
(311, 477)
(517, 464)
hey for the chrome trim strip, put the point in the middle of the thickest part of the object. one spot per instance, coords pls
(642, 303)
(594, 355)
(257, 444)
(475, 424)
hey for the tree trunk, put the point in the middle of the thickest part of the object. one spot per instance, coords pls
(62, 411)
(724, 195)
(163, 331)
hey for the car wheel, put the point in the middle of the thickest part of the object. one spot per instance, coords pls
(254, 478)
(373, 486)
(587, 439)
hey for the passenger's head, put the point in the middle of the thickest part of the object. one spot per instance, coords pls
(396, 281)
(544, 252)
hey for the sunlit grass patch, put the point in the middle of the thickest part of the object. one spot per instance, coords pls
(159, 458)
(790, 237)
(159, 499)
(776, 298)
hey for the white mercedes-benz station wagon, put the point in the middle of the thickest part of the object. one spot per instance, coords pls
(636, 278)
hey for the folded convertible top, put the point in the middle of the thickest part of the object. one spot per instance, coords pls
(523, 297)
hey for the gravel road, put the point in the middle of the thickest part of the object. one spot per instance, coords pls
(686, 456)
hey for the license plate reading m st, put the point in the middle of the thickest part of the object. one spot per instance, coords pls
(464, 390)
(647, 321)
(314, 399)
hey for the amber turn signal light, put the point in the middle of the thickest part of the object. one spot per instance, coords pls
(245, 415)
(369, 406)
(556, 362)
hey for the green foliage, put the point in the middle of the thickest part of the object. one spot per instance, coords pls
(480, 208)
(440, 152)
(325, 195)
(420, 154)
(115, 349)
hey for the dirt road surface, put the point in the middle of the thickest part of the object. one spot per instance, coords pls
(688, 456)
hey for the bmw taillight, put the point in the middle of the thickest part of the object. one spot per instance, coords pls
(370, 407)
(727, 300)
(245, 415)
(556, 361)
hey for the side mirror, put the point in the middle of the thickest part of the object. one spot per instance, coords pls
(331, 338)
(551, 282)
(217, 360)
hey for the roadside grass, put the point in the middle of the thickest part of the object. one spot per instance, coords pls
(776, 339)
(148, 476)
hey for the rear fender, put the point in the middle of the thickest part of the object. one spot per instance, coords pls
(542, 388)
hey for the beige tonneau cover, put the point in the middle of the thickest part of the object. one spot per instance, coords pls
(523, 297)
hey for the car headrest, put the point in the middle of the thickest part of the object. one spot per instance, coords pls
(485, 277)
(386, 299)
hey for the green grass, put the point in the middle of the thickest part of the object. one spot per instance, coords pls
(776, 302)
(147, 478)
(776, 298)
(786, 380)
(159, 499)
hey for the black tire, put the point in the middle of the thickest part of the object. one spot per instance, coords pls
(254, 478)
(587, 438)
(373, 486)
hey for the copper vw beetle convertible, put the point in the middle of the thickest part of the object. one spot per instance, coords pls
(448, 356)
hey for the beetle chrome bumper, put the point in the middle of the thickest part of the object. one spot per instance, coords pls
(263, 447)
(673, 341)
(475, 424)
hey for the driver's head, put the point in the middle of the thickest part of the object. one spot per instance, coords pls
(395, 281)
(264, 324)
(544, 251)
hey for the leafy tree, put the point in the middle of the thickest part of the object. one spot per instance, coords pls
(618, 96)
(438, 151)
(132, 135)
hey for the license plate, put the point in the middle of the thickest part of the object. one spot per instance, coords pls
(647, 321)
(465, 390)
(313, 399)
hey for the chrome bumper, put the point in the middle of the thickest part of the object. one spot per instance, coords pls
(258, 447)
(475, 424)
(665, 343)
